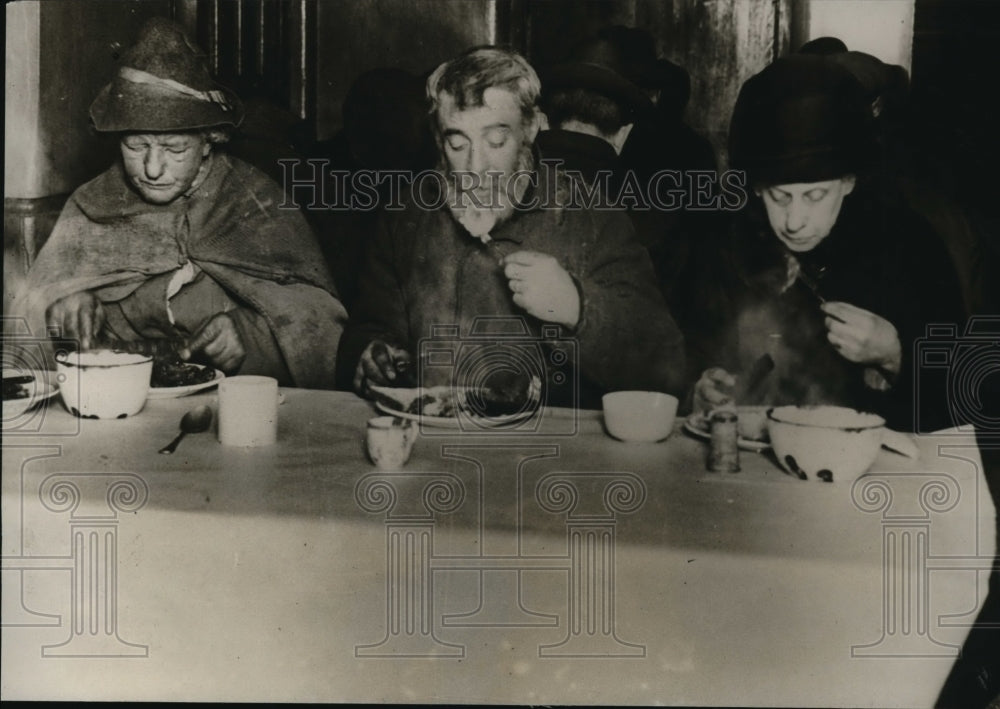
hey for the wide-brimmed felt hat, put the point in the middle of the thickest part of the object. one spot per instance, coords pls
(598, 65)
(162, 84)
(823, 46)
(645, 68)
(804, 118)
(877, 77)
(886, 85)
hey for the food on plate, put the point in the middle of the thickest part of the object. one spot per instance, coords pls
(440, 401)
(17, 387)
(169, 370)
(489, 400)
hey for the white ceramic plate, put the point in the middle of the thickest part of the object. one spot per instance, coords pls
(452, 421)
(44, 387)
(697, 425)
(174, 392)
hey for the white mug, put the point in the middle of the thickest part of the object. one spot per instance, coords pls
(248, 411)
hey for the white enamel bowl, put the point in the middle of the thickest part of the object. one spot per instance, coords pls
(104, 384)
(828, 443)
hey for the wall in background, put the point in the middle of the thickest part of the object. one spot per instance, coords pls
(882, 28)
(21, 138)
(354, 37)
(58, 56)
(69, 50)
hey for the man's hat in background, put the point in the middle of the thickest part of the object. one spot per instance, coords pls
(823, 46)
(644, 68)
(598, 65)
(882, 82)
(163, 84)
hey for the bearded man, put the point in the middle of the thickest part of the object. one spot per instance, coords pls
(503, 244)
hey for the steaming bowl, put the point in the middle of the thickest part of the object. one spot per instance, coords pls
(104, 384)
(829, 443)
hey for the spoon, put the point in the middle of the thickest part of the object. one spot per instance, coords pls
(194, 421)
(810, 283)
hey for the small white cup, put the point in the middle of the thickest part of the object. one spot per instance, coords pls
(389, 441)
(248, 411)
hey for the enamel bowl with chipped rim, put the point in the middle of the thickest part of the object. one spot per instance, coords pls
(828, 443)
(104, 384)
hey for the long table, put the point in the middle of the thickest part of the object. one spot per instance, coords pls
(556, 566)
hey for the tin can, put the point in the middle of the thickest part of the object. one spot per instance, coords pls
(724, 452)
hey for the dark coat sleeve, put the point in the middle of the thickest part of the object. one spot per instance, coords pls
(927, 293)
(380, 310)
(627, 336)
(263, 356)
(705, 306)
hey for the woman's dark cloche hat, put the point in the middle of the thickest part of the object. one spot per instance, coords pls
(804, 118)
(162, 84)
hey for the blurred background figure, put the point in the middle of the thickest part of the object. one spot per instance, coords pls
(592, 109)
(613, 105)
(664, 140)
(385, 129)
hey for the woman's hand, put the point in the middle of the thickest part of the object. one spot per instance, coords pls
(713, 389)
(79, 316)
(219, 341)
(863, 337)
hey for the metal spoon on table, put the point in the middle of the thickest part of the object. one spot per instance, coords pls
(194, 421)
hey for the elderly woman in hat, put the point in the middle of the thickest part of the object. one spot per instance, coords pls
(178, 242)
(819, 279)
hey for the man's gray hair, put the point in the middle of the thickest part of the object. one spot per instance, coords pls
(466, 77)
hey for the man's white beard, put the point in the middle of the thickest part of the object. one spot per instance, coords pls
(480, 211)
